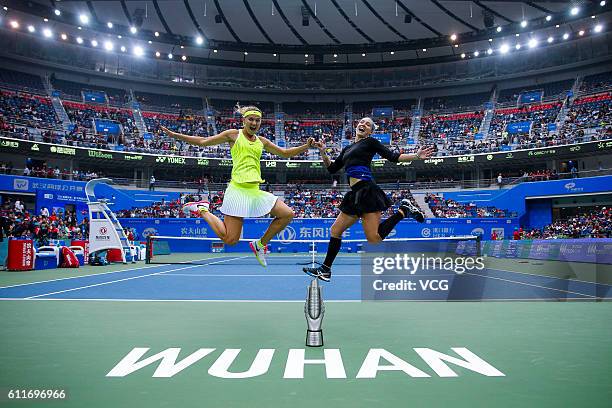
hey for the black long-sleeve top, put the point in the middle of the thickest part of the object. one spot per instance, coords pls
(357, 158)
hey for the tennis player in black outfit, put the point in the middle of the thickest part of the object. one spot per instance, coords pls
(365, 200)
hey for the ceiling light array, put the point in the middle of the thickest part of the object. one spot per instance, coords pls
(137, 50)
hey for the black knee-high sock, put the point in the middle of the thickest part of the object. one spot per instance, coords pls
(332, 251)
(387, 225)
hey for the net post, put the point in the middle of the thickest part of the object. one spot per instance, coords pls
(312, 249)
(149, 250)
(478, 249)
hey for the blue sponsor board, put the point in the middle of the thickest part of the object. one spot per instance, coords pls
(319, 229)
(384, 138)
(107, 126)
(94, 96)
(385, 111)
(519, 127)
(531, 97)
(590, 250)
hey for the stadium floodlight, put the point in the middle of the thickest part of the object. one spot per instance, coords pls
(138, 51)
(499, 29)
(119, 36)
(463, 55)
(598, 28)
(94, 43)
(109, 24)
(157, 54)
(524, 23)
(31, 28)
(184, 58)
(79, 27)
(170, 56)
(550, 40)
(108, 46)
(602, 3)
(517, 46)
(424, 49)
(150, 42)
(363, 54)
(392, 53)
(504, 48)
(216, 51)
(79, 40)
(335, 55)
(14, 24)
(133, 30)
(305, 55)
(47, 32)
(574, 11)
(272, 54)
(46, 20)
(548, 17)
(581, 32)
(246, 53)
(84, 18)
(453, 37)
(476, 53)
(64, 36)
(532, 43)
(57, 12)
(565, 36)
(489, 51)
(199, 40)
(156, 34)
(123, 49)
(5, 8)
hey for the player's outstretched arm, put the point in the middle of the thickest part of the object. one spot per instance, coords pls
(225, 136)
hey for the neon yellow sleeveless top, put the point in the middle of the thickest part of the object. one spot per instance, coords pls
(246, 156)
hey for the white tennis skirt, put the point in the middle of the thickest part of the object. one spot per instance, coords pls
(247, 200)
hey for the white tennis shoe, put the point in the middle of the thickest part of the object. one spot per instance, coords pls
(260, 253)
(195, 208)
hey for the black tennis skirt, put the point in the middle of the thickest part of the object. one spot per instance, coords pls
(364, 197)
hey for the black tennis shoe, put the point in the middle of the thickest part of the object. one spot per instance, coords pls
(411, 210)
(322, 272)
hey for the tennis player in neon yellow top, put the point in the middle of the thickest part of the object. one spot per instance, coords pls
(243, 198)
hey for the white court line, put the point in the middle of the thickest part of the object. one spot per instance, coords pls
(529, 284)
(550, 277)
(126, 279)
(81, 276)
(607, 299)
(287, 275)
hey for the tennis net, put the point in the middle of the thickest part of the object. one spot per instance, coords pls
(197, 250)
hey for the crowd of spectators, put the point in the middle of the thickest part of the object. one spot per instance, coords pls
(27, 109)
(16, 221)
(595, 222)
(448, 208)
(455, 134)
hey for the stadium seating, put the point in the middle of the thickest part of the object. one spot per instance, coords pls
(551, 90)
(27, 109)
(173, 102)
(21, 80)
(72, 90)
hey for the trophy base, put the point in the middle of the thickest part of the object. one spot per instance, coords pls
(314, 338)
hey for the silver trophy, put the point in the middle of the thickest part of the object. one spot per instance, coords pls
(314, 310)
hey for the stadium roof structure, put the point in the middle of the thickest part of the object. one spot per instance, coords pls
(295, 33)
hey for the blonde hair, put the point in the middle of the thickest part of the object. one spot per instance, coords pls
(243, 109)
